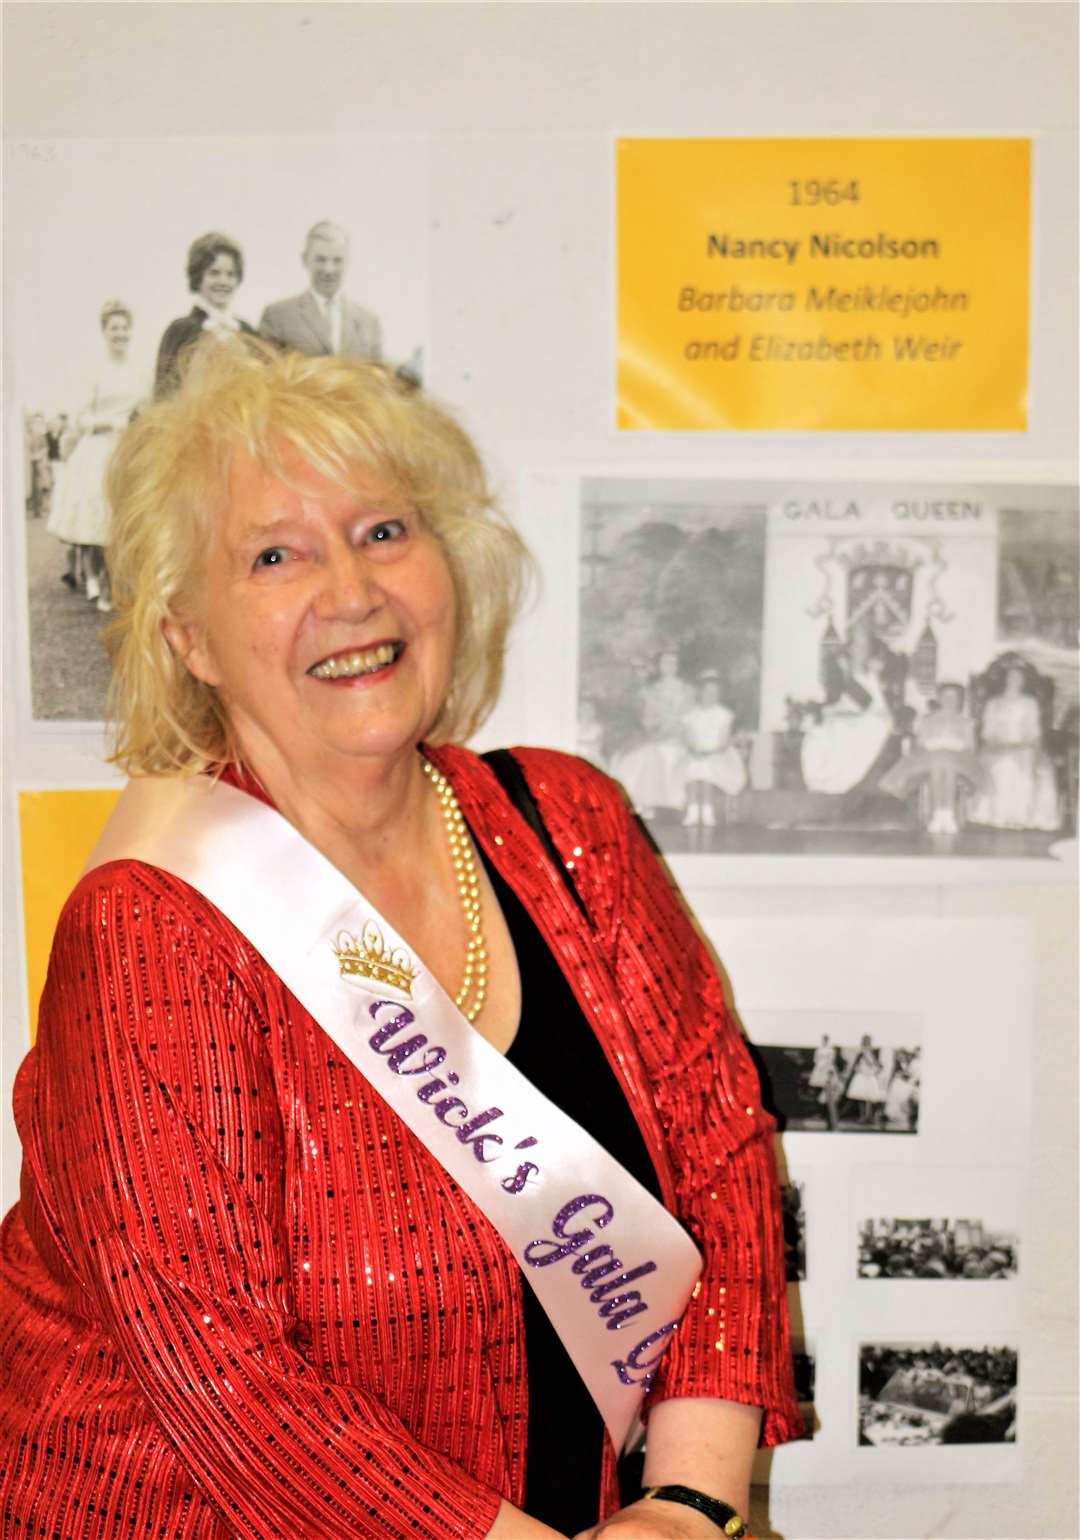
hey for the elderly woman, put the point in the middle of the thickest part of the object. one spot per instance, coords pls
(370, 1074)
(215, 270)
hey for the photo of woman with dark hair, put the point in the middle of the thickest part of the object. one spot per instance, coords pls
(215, 270)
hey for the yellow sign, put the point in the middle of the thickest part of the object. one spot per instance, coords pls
(57, 830)
(836, 284)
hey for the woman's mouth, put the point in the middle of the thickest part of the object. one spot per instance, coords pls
(351, 665)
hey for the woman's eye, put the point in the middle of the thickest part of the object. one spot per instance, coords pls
(386, 530)
(273, 556)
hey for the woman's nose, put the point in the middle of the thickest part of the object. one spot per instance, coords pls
(349, 589)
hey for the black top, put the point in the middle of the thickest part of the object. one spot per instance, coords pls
(558, 1053)
(178, 336)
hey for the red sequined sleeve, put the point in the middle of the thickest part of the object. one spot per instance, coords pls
(166, 1206)
(734, 1340)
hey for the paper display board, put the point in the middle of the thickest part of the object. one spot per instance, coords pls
(911, 1249)
(822, 283)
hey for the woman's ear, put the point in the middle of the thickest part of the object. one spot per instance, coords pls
(188, 641)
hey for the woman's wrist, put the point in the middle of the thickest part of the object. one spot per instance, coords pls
(729, 1520)
(656, 1519)
(705, 1444)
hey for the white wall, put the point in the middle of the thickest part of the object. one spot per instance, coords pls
(520, 102)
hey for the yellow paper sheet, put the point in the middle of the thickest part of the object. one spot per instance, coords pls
(58, 830)
(822, 284)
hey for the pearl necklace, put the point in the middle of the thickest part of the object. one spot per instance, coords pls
(474, 983)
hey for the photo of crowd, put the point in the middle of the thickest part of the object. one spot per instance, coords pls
(843, 1087)
(770, 673)
(935, 1249)
(913, 1394)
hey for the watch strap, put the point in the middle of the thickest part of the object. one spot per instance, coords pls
(732, 1523)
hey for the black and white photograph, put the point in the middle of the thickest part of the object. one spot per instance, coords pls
(804, 1361)
(122, 254)
(936, 1249)
(793, 1209)
(835, 668)
(863, 1076)
(916, 1393)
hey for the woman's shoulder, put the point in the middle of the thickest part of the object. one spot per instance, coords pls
(183, 327)
(578, 804)
(551, 774)
(125, 876)
(143, 904)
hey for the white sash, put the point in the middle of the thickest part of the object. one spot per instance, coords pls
(544, 1183)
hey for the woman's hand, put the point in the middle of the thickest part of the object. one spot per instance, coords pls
(654, 1519)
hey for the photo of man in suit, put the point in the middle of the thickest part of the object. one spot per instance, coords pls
(322, 319)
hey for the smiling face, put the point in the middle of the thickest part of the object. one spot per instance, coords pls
(326, 258)
(218, 282)
(326, 622)
(117, 332)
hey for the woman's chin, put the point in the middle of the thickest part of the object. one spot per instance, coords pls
(368, 741)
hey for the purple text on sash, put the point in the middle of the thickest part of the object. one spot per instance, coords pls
(635, 1370)
(451, 1111)
(616, 1303)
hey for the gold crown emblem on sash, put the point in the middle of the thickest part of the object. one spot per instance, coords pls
(368, 957)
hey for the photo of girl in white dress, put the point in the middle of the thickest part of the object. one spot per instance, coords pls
(856, 723)
(866, 1085)
(840, 1080)
(80, 516)
(943, 761)
(714, 768)
(653, 771)
(1022, 791)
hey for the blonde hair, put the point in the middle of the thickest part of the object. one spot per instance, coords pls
(167, 483)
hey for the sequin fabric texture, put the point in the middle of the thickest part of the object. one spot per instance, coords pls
(239, 1297)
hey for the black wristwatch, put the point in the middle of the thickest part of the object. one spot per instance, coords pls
(733, 1524)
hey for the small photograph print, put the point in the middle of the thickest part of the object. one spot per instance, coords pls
(968, 1249)
(315, 245)
(804, 1361)
(848, 1073)
(833, 669)
(918, 1393)
(793, 1209)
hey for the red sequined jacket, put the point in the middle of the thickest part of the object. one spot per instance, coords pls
(239, 1297)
